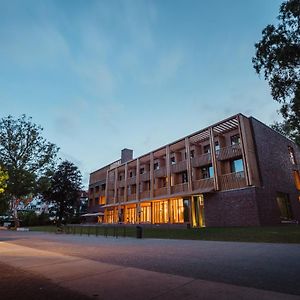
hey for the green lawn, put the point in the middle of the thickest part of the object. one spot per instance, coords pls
(275, 234)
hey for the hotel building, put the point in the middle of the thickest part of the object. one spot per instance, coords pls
(238, 172)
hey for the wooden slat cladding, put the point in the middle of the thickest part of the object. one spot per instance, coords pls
(179, 167)
(145, 194)
(179, 188)
(229, 152)
(160, 191)
(233, 181)
(161, 172)
(202, 160)
(203, 184)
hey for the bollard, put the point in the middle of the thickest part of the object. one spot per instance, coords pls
(139, 232)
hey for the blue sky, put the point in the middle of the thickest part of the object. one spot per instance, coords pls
(100, 76)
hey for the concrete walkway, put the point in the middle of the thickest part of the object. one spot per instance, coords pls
(107, 281)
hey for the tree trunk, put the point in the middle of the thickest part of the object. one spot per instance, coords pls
(14, 209)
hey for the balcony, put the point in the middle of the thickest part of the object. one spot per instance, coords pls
(160, 192)
(120, 198)
(131, 180)
(144, 194)
(202, 160)
(179, 167)
(233, 181)
(121, 183)
(203, 184)
(145, 176)
(161, 172)
(179, 188)
(131, 197)
(229, 152)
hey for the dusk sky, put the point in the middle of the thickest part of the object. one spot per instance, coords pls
(100, 76)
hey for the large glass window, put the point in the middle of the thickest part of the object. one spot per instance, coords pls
(177, 211)
(284, 205)
(160, 212)
(146, 213)
(237, 165)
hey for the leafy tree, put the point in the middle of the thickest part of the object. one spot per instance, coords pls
(26, 156)
(3, 180)
(64, 190)
(278, 58)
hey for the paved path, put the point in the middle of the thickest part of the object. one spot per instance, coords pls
(108, 268)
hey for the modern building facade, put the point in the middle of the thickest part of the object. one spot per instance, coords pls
(238, 172)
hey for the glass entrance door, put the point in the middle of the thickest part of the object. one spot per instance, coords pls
(198, 211)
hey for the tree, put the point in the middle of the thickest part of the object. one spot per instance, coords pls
(26, 156)
(278, 58)
(64, 189)
(3, 180)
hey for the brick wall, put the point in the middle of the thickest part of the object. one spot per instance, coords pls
(231, 208)
(276, 172)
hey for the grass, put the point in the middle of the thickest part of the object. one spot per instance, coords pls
(274, 234)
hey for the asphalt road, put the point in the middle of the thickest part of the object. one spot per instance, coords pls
(274, 267)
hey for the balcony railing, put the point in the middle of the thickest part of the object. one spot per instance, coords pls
(121, 198)
(203, 184)
(233, 181)
(145, 176)
(179, 188)
(229, 152)
(161, 172)
(121, 183)
(131, 180)
(179, 167)
(131, 197)
(160, 191)
(144, 194)
(201, 160)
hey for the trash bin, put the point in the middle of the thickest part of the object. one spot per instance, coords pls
(139, 232)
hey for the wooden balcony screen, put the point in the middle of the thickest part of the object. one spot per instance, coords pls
(179, 188)
(179, 167)
(202, 160)
(233, 181)
(229, 152)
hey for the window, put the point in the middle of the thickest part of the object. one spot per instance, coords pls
(103, 186)
(237, 166)
(206, 149)
(184, 177)
(97, 188)
(207, 172)
(235, 139)
(156, 166)
(142, 170)
(217, 146)
(284, 205)
(192, 153)
(120, 177)
(130, 174)
(173, 160)
(292, 155)
(91, 190)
